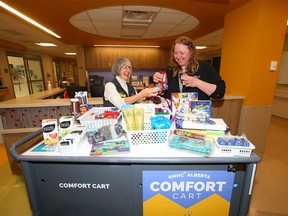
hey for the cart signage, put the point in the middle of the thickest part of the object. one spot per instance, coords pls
(68, 185)
(186, 192)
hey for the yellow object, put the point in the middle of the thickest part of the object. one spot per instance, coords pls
(139, 118)
(129, 119)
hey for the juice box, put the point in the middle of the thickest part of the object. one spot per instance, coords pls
(50, 131)
(66, 124)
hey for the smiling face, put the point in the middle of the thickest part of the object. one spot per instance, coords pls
(182, 55)
(125, 71)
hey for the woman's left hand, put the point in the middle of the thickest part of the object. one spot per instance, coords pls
(207, 88)
(189, 81)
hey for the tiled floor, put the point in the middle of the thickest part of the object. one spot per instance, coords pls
(13, 196)
(270, 193)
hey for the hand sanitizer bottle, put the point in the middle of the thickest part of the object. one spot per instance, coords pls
(49, 85)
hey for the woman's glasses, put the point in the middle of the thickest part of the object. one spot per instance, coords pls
(126, 67)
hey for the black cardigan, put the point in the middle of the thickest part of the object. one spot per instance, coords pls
(207, 73)
(121, 91)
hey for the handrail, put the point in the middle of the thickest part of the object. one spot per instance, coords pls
(13, 152)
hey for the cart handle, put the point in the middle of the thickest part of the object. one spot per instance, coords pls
(13, 152)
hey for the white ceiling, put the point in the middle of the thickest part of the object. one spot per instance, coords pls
(167, 22)
(134, 22)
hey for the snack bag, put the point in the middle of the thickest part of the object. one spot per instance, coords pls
(50, 131)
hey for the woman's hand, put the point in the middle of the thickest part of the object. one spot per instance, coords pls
(157, 77)
(206, 87)
(190, 81)
(149, 92)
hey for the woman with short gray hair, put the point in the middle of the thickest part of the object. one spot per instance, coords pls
(119, 92)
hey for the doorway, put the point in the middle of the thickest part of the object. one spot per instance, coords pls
(26, 75)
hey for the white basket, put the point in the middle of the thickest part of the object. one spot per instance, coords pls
(230, 151)
(92, 123)
(147, 136)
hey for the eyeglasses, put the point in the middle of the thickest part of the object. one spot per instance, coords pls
(126, 67)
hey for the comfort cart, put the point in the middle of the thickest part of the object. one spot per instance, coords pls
(149, 180)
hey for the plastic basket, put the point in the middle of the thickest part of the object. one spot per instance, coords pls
(230, 151)
(91, 123)
(147, 136)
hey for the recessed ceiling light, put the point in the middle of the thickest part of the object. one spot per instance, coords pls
(70, 54)
(201, 47)
(135, 46)
(46, 44)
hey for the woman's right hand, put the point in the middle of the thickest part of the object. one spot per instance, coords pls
(157, 77)
(149, 92)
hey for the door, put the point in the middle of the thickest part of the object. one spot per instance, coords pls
(34, 75)
(26, 75)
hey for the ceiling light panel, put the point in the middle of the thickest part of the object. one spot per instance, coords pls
(27, 19)
(110, 32)
(107, 24)
(141, 8)
(46, 44)
(175, 18)
(182, 28)
(133, 32)
(193, 21)
(173, 33)
(135, 26)
(162, 27)
(102, 14)
(169, 10)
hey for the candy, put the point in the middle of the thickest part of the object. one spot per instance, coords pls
(221, 141)
(233, 141)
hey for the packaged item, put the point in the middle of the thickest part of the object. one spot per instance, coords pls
(164, 81)
(75, 106)
(68, 146)
(107, 132)
(94, 118)
(231, 146)
(199, 146)
(149, 110)
(129, 119)
(70, 143)
(78, 130)
(163, 111)
(139, 118)
(83, 101)
(202, 109)
(66, 124)
(190, 133)
(181, 103)
(50, 131)
(110, 147)
(160, 122)
(217, 124)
